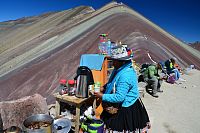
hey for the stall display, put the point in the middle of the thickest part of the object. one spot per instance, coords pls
(91, 75)
(72, 100)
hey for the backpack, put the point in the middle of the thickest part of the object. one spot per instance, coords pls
(171, 79)
(145, 65)
(142, 70)
(90, 125)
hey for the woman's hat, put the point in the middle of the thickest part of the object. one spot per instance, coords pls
(121, 52)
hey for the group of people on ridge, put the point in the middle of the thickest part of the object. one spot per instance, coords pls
(154, 74)
(123, 110)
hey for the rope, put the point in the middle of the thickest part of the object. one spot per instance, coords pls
(151, 58)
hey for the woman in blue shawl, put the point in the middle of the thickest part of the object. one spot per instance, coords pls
(123, 110)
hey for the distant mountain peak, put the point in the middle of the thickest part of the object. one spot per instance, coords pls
(195, 45)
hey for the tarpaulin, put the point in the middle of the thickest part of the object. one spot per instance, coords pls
(92, 61)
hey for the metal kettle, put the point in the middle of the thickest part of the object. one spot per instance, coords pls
(84, 78)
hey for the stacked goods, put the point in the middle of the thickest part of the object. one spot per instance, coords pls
(105, 44)
(63, 87)
(71, 87)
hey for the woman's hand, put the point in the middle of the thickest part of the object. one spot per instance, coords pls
(101, 89)
(148, 125)
(98, 94)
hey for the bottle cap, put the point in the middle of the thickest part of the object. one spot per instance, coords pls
(71, 82)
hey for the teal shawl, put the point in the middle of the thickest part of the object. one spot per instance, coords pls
(115, 76)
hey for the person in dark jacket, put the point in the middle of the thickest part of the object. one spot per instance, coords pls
(125, 112)
(169, 64)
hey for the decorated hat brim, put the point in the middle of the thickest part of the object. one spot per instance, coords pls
(122, 59)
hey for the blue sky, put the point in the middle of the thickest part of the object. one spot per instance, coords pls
(180, 18)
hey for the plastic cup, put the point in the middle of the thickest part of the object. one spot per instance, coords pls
(97, 89)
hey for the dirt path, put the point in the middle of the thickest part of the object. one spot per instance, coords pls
(177, 108)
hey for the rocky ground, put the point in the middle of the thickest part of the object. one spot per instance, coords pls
(177, 108)
(40, 51)
(175, 111)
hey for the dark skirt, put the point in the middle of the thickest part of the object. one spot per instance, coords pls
(130, 118)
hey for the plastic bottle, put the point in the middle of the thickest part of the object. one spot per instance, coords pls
(71, 88)
(109, 47)
(100, 48)
(97, 86)
(105, 48)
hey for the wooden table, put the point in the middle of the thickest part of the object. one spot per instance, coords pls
(72, 100)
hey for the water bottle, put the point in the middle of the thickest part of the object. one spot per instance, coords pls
(105, 48)
(100, 48)
(97, 86)
(109, 47)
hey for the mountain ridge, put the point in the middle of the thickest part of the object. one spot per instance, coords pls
(53, 47)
